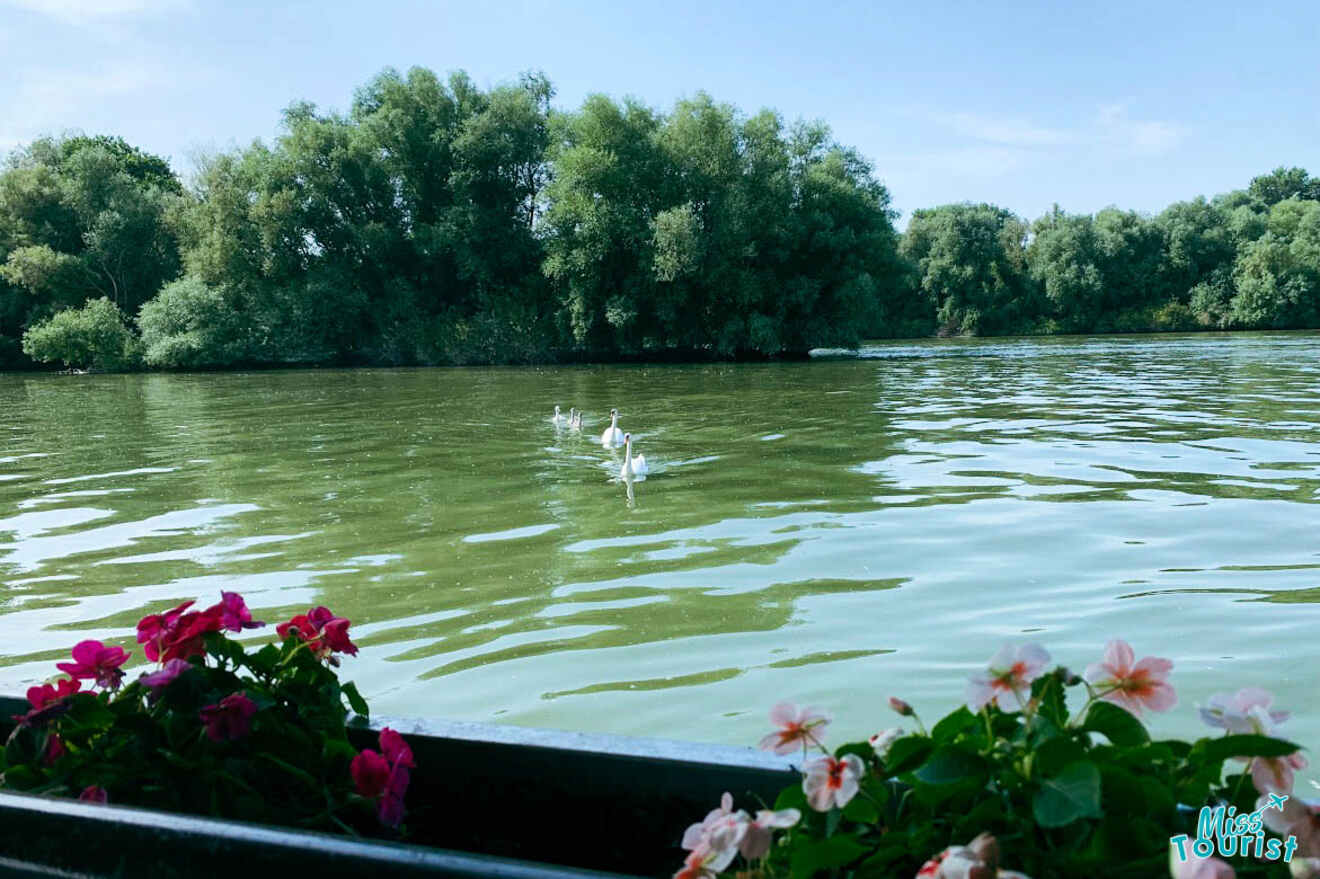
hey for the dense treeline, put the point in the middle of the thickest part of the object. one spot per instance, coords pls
(436, 222)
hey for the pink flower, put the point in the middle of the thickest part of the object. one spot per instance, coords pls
(706, 862)
(1275, 774)
(722, 823)
(1132, 685)
(900, 706)
(1200, 868)
(798, 727)
(54, 750)
(829, 782)
(234, 613)
(177, 633)
(760, 831)
(1246, 711)
(384, 778)
(335, 635)
(396, 750)
(322, 631)
(979, 859)
(229, 720)
(99, 663)
(1296, 818)
(881, 741)
(1007, 682)
(44, 694)
(93, 794)
(1304, 868)
(157, 681)
(371, 772)
(48, 701)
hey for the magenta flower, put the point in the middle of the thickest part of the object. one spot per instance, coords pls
(1007, 682)
(797, 728)
(54, 750)
(44, 694)
(93, 794)
(829, 782)
(229, 720)
(384, 777)
(94, 660)
(1129, 684)
(234, 613)
(323, 632)
(157, 681)
(371, 772)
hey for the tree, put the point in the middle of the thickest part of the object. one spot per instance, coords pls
(1282, 184)
(970, 264)
(189, 324)
(92, 337)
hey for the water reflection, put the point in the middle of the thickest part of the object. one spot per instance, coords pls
(836, 530)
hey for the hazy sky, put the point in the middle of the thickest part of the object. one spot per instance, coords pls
(1019, 103)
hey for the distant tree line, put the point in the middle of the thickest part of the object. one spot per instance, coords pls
(436, 222)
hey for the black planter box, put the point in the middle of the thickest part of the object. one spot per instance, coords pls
(486, 801)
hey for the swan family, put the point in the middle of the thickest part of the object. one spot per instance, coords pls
(612, 438)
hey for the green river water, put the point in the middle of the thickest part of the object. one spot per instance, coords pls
(831, 532)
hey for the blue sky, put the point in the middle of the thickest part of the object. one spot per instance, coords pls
(1019, 103)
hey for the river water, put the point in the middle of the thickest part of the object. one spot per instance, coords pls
(832, 532)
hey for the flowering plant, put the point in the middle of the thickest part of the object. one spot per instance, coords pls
(1066, 793)
(215, 728)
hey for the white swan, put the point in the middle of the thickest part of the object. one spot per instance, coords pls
(558, 417)
(574, 419)
(612, 437)
(633, 468)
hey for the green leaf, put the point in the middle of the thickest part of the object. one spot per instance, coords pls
(1219, 750)
(1115, 724)
(355, 700)
(907, 753)
(861, 810)
(792, 797)
(951, 764)
(1072, 794)
(811, 857)
(952, 724)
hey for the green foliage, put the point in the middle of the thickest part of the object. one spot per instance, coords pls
(1068, 797)
(150, 746)
(80, 219)
(190, 324)
(439, 222)
(971, 268)
(92, 337)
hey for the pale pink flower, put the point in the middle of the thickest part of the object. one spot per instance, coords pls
(1007, 682)
(761, 830)
(1246, 711)
(797, 728)
(1200, 868)
(1304, 868)
(1275, 774)
(828, 782)
(1131, 684)
(881, 741)
(979, 859)
(706, 861)
(1296, 818)
(722, 822)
